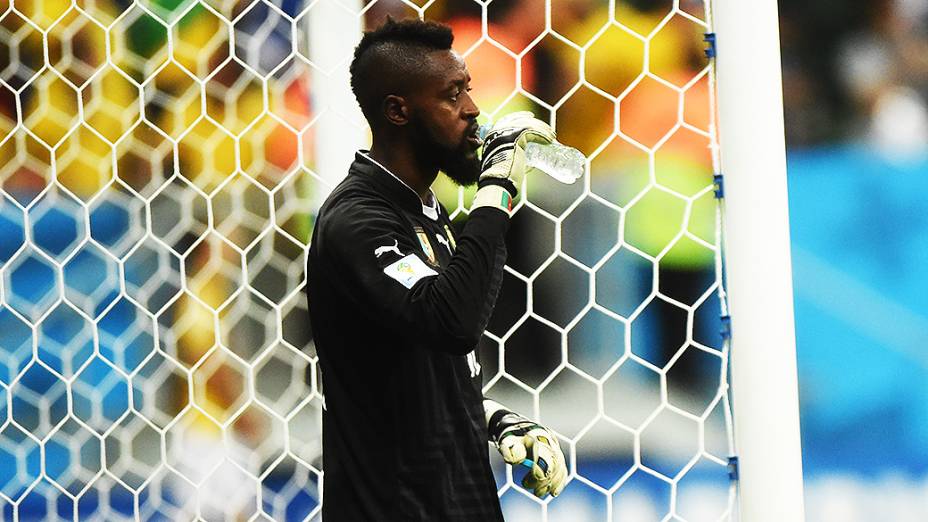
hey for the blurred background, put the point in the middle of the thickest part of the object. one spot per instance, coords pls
(159, 167)
(855, 79)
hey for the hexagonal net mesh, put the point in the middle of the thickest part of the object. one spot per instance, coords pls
(158, 161)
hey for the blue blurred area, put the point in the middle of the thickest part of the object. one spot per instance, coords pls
(44, 502)
(859, 224)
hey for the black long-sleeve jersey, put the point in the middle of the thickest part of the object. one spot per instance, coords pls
(397, 304)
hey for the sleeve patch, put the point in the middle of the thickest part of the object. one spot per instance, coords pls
(409, 270)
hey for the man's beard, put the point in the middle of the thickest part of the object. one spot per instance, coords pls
(460, 168)
(461, 164)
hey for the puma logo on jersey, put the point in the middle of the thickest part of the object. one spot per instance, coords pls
(472, 364)
(388, 248)
(441, 239)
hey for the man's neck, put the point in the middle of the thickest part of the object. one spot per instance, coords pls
(400, 161)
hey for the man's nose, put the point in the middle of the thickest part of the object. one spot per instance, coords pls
(470, 109)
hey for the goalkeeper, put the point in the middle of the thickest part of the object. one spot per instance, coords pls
(398, 301)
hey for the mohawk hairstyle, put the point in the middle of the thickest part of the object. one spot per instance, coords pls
(387, 57)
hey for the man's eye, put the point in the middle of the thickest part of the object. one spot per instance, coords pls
(454, 97)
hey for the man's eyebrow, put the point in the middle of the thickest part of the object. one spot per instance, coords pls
(456, 83)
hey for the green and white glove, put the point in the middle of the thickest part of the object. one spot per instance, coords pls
(521, 441)
(503, 165)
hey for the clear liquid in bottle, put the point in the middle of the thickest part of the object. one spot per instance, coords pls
(563, 163)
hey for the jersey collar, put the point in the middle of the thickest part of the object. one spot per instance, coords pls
(397, 188)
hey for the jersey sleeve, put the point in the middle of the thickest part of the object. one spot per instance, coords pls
(376, 259)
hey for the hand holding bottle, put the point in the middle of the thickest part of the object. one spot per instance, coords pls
(563, 163)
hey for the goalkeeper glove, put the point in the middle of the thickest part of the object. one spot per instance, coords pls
(521, 440)
(503, 163)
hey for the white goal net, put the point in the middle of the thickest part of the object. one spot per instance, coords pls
(159, 168)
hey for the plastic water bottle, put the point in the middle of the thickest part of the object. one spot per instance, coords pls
(563, 163)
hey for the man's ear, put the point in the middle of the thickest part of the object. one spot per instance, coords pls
(395, 109)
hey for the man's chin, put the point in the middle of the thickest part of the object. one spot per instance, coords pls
(462, 181)
(464, 173)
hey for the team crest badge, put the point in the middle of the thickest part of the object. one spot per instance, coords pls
(426, 245)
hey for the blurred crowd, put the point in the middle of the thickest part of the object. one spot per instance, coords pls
(856, 73)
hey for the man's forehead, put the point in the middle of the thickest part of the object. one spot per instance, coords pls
(447, 66)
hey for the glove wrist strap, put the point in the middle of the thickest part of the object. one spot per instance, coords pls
(506, 183)
(493, 195)
(500, 421)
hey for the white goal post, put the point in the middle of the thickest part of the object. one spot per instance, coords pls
(763, 354)
(332, 27)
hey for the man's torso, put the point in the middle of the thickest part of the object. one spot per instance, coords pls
(404, 434)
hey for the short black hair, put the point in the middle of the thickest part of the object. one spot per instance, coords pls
(389, 55)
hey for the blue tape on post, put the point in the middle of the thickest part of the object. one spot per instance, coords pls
(733, 468)
(709, 38)
(725, 328)
(719, 182)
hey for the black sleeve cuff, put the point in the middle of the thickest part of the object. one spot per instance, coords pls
(492, 222)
